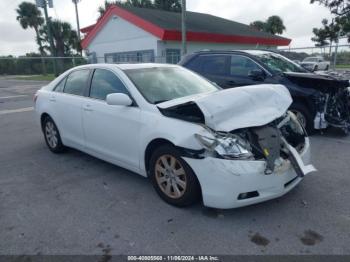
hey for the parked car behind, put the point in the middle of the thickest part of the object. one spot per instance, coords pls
(231, 148)
(315, 63)
(319, 101)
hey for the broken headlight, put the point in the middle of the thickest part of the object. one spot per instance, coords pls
(226, 145)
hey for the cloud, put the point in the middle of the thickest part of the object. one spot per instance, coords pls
(299, 16)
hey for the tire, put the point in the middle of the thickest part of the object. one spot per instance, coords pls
(302, 111)
(165, 174)
(327, 67)
(52, 136)
(315, 68)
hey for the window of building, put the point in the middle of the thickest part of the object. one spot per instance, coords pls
(173, 56)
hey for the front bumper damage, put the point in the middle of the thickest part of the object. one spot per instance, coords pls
(279, 159)
(234, 183)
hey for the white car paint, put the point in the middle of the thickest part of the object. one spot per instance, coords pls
(315, 63)
(266, 102)
(121, 134)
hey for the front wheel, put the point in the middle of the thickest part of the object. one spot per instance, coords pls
(304, 117)
(172, 177)
(52, 136)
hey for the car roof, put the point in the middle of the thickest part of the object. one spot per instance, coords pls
(246, 51)
(125, 66)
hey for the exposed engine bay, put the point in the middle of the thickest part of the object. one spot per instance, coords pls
(333, 109)
(271, 143)
(332, 99)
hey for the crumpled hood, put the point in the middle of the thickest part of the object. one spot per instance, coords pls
(231, 109)
(324, 83)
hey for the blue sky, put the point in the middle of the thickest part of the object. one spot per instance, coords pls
(299, 17)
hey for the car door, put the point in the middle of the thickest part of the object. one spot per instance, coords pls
(214, 67)
(67, 103)
(244, 71)
(112, 132)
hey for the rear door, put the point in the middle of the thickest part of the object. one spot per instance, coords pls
(67, 101)
(213, 67)
(112, 132)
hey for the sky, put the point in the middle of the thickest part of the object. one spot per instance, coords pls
(299, 17)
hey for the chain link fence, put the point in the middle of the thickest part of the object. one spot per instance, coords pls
(27, 65)
(337, 56)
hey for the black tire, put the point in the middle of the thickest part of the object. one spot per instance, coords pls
(315, 68)
(327, 67)
(57, 147)
(191, 194)
(305, 112)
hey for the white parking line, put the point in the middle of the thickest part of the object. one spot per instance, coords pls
(7, 97)
(19, 110)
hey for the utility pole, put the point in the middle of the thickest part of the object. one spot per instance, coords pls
(183, 27)
(77, 17)
(43, 4)
(336, 52)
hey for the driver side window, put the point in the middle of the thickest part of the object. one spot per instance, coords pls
(241, 66)
(105, 82)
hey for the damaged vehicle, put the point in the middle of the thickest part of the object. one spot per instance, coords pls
(319, 101)
(193, 140)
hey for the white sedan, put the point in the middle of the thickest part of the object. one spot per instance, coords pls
(228, 148)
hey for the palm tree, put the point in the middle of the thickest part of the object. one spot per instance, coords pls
(168, 5)
(64, 37)
(29, 16)
(274, 25)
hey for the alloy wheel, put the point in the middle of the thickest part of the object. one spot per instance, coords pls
(170, 176)
(51, 134)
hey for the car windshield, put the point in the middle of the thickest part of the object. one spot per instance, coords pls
(311, 59)
(160, 84)
(279, 64)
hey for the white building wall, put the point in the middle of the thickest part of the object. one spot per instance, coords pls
(118, 35)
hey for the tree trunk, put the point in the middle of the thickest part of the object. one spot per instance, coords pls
(41, 51)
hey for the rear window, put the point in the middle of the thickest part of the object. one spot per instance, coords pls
(77, 82)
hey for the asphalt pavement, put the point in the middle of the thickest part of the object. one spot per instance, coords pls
(76, 204)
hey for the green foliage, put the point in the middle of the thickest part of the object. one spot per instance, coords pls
(339, 26)
(30, 64)
(65, 38)
(168, 5)
(29, 16)
(273, 25)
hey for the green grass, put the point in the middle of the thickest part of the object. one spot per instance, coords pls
(48, 77)
(343, 66)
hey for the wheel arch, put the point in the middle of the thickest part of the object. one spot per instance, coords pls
(153, 145)
(42, 118)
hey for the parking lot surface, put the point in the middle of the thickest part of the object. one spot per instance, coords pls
(76, 204)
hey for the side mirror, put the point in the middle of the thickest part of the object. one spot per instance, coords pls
(118, 99)
(257, 74)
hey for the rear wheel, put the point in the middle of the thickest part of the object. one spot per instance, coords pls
(172, 178)
(52, 136)
(304, 117)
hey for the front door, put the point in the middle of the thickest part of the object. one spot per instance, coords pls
(112, 132)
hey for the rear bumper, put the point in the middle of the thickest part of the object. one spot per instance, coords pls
(224, 181)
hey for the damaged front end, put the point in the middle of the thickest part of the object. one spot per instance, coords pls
(333, 109)
(278, 143)
(332, 98)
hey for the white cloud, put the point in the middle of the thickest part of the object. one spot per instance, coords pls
(299, 16)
